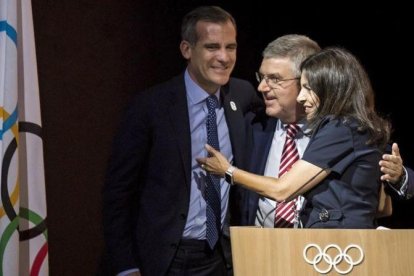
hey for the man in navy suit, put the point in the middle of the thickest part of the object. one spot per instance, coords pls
(154, 201)
(279, 84)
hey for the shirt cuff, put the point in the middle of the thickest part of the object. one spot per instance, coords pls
(127, 272)
(402, 191)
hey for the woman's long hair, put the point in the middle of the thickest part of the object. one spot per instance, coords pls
(344, 91)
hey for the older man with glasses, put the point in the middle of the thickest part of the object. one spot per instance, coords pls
(278, 82)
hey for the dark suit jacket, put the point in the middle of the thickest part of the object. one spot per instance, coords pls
(410, 187)
(147, 187)
(261, 130)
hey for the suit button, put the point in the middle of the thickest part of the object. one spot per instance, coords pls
(324, 215)
(183, 216)
(174, 245)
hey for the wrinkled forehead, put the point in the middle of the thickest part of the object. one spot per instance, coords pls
(282, 67)
(207, 28)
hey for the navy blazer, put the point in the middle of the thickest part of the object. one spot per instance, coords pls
(261, 131)
(410, 187)
(147, 186)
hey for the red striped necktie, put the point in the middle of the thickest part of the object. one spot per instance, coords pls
(285, 211)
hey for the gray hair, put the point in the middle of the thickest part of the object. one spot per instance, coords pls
(295, 47)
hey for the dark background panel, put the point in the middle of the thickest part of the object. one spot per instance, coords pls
(93, 55)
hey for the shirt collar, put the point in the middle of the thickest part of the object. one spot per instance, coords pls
(195, 93)
(281, 127)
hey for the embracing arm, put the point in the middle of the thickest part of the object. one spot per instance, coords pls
(300, 178)
(392, 166)
(399, 177)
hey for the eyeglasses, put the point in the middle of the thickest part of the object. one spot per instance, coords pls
(271, 81)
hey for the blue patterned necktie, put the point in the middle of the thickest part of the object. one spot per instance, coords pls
(213, 196)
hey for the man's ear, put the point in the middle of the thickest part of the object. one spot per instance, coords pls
(185, 49)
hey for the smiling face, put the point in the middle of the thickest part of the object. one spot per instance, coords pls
(211, 60)
(281, 100)
(307, 97)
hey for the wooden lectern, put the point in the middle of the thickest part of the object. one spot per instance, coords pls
(287, 252)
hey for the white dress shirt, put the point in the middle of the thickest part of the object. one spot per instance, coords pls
(266, 212)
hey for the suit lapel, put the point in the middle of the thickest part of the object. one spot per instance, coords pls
(178, 114)
(235, 124)
(262, 141)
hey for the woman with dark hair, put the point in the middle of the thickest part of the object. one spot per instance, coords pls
(338, 173)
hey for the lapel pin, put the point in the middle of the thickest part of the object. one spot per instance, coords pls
(233, 106)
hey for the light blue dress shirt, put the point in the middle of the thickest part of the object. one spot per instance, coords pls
(195, 227)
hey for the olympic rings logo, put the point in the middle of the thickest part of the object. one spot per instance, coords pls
(333, 262)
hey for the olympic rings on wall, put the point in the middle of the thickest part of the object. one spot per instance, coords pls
(333, 261)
